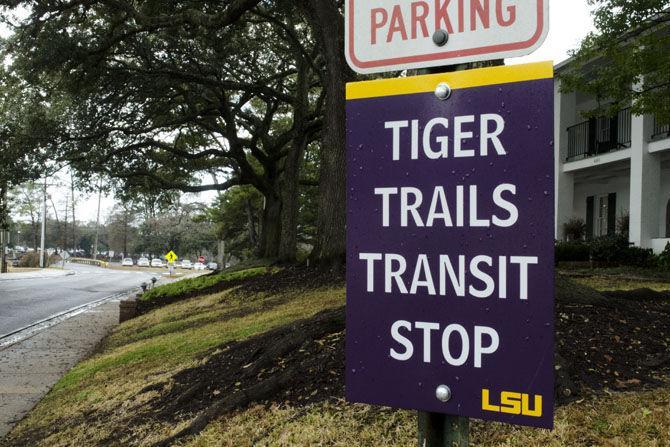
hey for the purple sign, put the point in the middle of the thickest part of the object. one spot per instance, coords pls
(450, 244)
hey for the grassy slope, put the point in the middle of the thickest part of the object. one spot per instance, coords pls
(200, 283)
(621, 278)
(106, 390)
(149, 350)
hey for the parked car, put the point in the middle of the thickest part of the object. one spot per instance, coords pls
(127, 262)
(198, 266)
(143, 262)
(186, 264)
(177, 264)
(157, 263)
(212, 266)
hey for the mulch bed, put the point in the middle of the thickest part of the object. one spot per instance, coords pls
(309, 353)
(617, 342)
(296, 278)
(622, 344)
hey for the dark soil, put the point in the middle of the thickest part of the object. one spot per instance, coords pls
(311, 351)
(298, 278)
(618, 342)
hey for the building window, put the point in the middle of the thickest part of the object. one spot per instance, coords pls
(667, 220)
(601, 216)
(603, 133)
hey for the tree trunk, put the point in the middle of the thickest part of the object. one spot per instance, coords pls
(33, 226)
(251, 223)
(288, 183)
(64, 241)
(4, 226)
(289, 212)
(327, 22)
(58, 226)
(271, 227)
(125, 233)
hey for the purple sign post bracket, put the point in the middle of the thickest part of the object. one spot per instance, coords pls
(450, 297)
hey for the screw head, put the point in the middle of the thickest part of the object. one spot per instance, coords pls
(440, 37)
(443, 393)
(443, 91)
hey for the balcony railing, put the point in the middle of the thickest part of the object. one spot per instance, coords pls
(661, 130)
(599, 135)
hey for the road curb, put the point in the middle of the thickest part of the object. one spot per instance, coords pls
(11, 338)
(9, 278)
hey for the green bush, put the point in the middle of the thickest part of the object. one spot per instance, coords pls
(616, 250)
(639, 257)
(608, 250)
(574, 229)
(664, 258)
(32, 260)
(574, 251)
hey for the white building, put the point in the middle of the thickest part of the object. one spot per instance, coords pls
(609, 167)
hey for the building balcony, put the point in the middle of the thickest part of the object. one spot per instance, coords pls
(599, 135)
(661, 130)
(660, 137)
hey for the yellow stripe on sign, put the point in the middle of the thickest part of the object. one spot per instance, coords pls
(457, 80)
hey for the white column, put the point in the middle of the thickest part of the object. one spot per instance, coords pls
(564, 110)
(645, 184)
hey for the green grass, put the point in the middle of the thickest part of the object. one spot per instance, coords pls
(657, 274)
(191, 285)
(620, 278)
(151, 349)
(609, 283)
(621, 420)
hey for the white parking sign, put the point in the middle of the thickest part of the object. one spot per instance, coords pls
(403, 34)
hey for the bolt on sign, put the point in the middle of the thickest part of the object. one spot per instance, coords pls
(404, 34)
(450, 278)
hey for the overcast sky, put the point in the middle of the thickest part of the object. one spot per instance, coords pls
(570, 22)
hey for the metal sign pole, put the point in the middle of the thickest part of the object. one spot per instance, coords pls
(443, 430)
(435, 429)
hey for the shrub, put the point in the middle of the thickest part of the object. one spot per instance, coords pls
(608, 250)
(664, 258)
(639, 257)
(623, 224)
(574, 251)
(32, 260)
(575, 229)
(615, 250)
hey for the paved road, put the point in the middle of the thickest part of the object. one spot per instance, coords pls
(23, 302)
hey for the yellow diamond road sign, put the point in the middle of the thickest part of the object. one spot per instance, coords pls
(171, 257)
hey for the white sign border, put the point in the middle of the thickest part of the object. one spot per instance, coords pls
(436, 59)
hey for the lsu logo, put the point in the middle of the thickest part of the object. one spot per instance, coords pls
(513, 403)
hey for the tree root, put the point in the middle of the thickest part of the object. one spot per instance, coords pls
(282, 341)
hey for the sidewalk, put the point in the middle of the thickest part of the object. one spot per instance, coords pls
(46, 273)
(30, 368)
